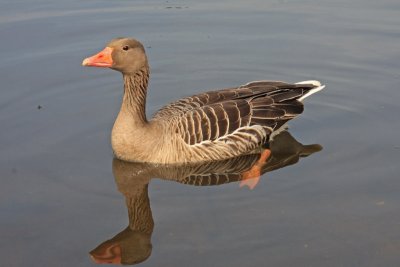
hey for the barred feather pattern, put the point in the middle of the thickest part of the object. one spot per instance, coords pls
(226, 123)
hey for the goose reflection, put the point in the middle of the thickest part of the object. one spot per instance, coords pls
(133, 244)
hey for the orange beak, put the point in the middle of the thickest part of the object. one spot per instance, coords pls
(102, 59)
(111, 253)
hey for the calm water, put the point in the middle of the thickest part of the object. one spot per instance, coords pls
(59, 199)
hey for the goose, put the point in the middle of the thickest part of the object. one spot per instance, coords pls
(210, 126)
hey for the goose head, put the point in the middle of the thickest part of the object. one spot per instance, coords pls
(125, 55)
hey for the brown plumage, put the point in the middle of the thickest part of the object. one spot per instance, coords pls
(210, 126)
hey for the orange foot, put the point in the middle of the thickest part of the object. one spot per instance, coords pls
(251, 177)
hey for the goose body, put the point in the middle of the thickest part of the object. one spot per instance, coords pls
(214, 125)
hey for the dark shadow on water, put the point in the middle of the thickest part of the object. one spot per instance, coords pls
(133, 244)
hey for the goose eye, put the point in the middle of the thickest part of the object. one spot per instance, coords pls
(125, 48)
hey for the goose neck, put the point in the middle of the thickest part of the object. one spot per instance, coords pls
(135, 91)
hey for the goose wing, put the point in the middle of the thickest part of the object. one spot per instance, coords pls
(243, 116)
(249, 90)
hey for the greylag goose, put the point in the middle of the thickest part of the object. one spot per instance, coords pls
(214, 125)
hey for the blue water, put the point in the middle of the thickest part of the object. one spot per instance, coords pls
(339, 207)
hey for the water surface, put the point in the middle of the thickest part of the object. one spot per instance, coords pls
(339, 207)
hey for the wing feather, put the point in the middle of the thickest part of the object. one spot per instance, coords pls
(230, 115)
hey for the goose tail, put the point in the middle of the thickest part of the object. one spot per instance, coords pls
(318, 87)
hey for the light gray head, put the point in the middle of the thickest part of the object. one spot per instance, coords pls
(126, 55)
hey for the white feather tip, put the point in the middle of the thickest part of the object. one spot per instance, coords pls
(318, 87)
